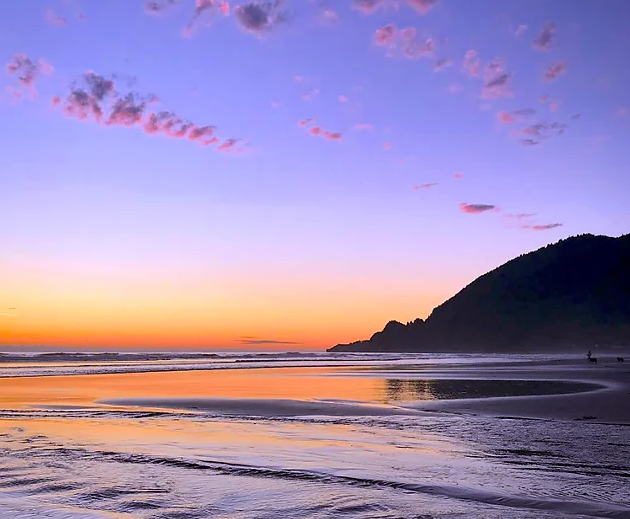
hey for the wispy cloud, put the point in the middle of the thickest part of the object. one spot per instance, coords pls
(554, 70)
(546, 39)
(385, 36)
(159, 6)
(540, 131)
(477, 208)
(496, 81)
(519, 216)
(330, 14)
(472, 63)
(544, 227)
(309, 96)
(262, 342)
(553, 104)
(520, 30)
(388, 145)
(94, 97)
(204, 8)
(363, 127)
(27, 71)
(368, 6)
(424, 186)
(53, 18)
(516, 115)
(441, 64)
(404, 42)
(458, 176)
(343, 99)
(305, 122)
(318, 131)
(422, 6)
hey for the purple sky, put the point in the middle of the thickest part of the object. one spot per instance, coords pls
(299, 171)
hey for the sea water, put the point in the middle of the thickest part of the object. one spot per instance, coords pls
(287, 436)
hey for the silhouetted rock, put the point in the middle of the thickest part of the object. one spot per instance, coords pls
(575, 293)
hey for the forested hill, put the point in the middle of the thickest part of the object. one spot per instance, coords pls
(575, 293)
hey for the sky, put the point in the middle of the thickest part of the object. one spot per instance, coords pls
(293, 174)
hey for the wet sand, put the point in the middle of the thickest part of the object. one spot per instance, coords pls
(611, 404)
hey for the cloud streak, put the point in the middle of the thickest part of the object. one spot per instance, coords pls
(477, 208)
(54, 19)
(262, 342)
(496, 81)
(94, 97)
(424, 186)
(546, 39)
(318, 131)
(554, 70)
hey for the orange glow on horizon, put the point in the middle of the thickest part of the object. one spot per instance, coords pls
(68, 307)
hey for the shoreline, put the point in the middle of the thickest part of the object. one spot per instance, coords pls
(609, 403)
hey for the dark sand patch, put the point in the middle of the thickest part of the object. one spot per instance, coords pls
(262, 407)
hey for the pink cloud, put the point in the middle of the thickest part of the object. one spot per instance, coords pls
(332, 136)
(305, 122)
(95, 97)
(623, 111)
(412, 48)
(202, 8)
(519, 216)
(458, 175)
(477, 208)
(496, 81)
(343, 99)
(329, 14)
(551, 103)
(472, 64)
(275, 104)
(204, 135)
(385, 36)
(259, 18)
(318, 131)
(54, 19)
(405, 41)
(388, 145)
(506, 117)
(424, 186)
(454, 88)
(545, 227)
(229, 146)
(309, 96)
(520, 30)
(27, 71)
(422, 6)
(368, 6)
(555, 70)
(545, 40)
(363, 127)
(441, 64)
(516, 115)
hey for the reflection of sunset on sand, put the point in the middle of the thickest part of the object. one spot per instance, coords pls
(408, 433)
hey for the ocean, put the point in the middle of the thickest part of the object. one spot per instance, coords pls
(297, 435)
